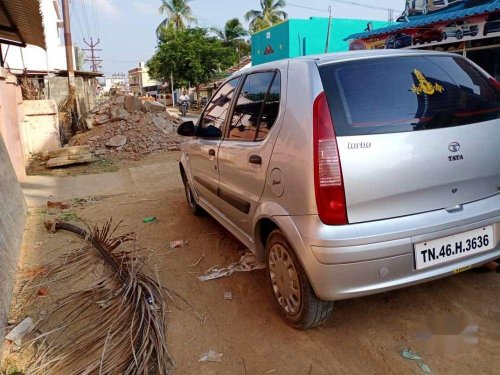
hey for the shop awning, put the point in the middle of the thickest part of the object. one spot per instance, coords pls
(21, 23)
(429, 19)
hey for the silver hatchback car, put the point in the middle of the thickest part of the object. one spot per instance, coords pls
(353, 173)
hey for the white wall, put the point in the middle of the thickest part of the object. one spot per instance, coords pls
(35, 58)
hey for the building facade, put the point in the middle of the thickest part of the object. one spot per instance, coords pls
(33, 58)
(302, 37)
(140, 82)
(467, 27)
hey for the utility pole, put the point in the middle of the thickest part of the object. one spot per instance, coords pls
(329, 26)
(95, 61)
(69, 47)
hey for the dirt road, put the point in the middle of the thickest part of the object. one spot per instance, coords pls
(365, 335)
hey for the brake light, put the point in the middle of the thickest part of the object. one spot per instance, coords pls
(329, 185)
(495, 83)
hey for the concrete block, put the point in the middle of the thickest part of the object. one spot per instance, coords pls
(132, 103)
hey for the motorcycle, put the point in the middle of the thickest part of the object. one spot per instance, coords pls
(183, 107)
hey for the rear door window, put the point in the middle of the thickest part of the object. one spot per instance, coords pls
(398, 94)
(257, 106)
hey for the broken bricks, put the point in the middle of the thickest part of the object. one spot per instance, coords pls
(58, 204)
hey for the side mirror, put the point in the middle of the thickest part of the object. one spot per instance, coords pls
(186, 129)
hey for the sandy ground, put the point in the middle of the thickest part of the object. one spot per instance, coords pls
(365, 335)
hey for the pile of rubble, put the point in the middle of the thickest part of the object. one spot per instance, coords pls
(130, 127)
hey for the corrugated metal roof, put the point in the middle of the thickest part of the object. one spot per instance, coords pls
(21, 22)
(430, 19)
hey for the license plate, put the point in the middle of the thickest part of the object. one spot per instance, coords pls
(447, 249)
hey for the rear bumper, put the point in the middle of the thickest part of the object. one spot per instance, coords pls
(360, 259)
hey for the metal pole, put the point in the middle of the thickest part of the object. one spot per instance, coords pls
(69, 47)
(172, 88)
(329, 25)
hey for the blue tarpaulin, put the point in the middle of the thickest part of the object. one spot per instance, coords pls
(457, 12)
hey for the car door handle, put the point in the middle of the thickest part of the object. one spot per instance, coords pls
(211, 152)
(255, 159)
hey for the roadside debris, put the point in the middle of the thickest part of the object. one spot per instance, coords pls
(178, 243)
(248, 262)
(42, 292)
(60, 205)
(211, 356)
(130, 126)
(117, 141)
(228, 296)
(150, 219)
(129, 337)
(413, 356)
(69, 155)
(19, 331)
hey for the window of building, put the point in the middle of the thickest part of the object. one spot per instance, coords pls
(257, 107)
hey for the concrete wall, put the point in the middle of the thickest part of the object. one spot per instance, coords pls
(85, 89)
(12, 218)
(11, 114)
(40, 128)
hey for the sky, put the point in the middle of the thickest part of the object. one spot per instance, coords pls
(126, 28)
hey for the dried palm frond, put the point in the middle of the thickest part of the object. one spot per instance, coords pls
(115, 321)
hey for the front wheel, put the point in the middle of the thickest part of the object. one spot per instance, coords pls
(293, 293)
(459, 34)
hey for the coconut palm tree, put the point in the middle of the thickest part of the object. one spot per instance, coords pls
(179, 14)
(232, 33)
(269, 15)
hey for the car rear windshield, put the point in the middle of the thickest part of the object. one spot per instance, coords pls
(400, 94)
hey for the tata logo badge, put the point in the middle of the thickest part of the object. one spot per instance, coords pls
(454, 146)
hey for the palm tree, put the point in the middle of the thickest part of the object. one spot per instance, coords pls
(179, 14)
(233, 32)
(270, 14)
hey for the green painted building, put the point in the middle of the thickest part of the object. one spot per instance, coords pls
(301, 37)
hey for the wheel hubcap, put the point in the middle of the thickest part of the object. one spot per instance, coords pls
(284, 279)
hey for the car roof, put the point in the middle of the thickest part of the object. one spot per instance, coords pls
(329, 58)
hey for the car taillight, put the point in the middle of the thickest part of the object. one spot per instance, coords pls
(495, 83)
(330, 194)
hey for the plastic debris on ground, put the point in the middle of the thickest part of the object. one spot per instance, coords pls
(178, 243)
(413, 356)
(150, 219)
(20, 331)
(211, 356)
(228, 296)
(248, 262)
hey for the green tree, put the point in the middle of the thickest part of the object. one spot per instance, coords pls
(179, 14)
(232, 33)
(189, 55)
(270, 14)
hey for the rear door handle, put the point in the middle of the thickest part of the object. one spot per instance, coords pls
(211, 152)
(255, 159)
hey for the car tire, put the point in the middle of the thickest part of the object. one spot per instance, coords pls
(290, 286)
(195, 209)
(459, 35)
(445, 36)
(474, 33)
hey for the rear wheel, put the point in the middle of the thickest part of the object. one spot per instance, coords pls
(193, 206)
(459, 34)
(293, 294)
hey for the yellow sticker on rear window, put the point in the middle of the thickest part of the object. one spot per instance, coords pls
(424, 86)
